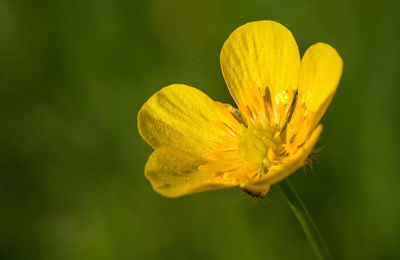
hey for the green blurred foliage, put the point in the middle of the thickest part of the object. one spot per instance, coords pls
(73, 75)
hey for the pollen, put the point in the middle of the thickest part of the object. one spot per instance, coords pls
(260, 146)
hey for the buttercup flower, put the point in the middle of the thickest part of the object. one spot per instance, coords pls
(201, 144)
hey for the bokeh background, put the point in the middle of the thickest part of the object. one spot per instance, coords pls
(73, 75)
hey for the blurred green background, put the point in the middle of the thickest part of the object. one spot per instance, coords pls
(73, 75)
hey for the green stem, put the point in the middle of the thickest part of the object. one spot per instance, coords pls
(306, 222)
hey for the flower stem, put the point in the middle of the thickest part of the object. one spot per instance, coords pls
(306, 222)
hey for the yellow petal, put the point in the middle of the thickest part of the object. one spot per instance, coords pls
(260, 62)
(173, 173)
(320, 71)
(183, 117)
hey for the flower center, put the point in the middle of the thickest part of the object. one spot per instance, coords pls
(260, 146)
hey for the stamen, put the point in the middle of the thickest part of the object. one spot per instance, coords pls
(260, 147)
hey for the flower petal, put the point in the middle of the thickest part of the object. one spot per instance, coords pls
(260, 62)
(174, 172)
(183, 117)
(320, 71)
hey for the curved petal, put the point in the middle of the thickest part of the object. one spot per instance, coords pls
(319, 75)
(260, 62)
(173, 172)
(183, 117)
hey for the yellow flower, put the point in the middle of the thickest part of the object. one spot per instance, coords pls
(201, 144)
